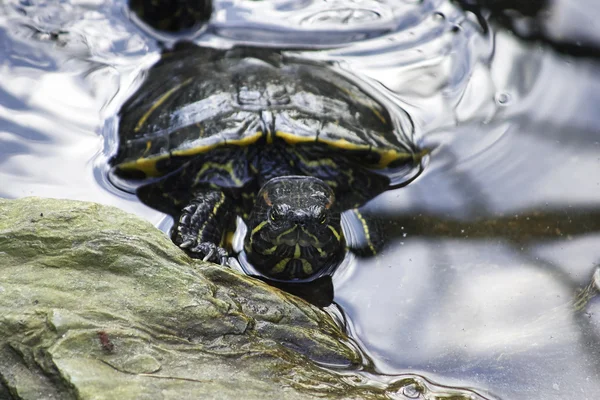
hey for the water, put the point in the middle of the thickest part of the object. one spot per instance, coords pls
(488, 282)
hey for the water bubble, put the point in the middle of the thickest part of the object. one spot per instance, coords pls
(503, 98)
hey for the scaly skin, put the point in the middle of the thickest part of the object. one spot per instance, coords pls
(203, 224)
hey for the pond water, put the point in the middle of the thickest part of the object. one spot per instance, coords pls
(489, 278)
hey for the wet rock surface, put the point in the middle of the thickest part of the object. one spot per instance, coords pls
(96, 303)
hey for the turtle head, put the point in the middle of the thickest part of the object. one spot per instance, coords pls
(293, 230)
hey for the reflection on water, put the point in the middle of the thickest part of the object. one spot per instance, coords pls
(488, 279)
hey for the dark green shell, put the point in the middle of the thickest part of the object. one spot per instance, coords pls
(196, 100)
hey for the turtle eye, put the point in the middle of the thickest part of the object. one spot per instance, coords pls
(275, 214)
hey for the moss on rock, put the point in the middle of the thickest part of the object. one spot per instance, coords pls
(98, 304)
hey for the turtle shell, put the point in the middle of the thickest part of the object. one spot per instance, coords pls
(196, 99)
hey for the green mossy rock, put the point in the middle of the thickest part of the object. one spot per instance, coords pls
(98, 304)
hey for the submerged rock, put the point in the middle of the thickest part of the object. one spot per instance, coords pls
(98, 304)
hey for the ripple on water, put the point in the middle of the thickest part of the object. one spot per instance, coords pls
(487, 246)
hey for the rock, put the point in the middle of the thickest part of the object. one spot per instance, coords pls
(98, 304)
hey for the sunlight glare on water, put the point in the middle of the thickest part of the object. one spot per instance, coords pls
(487, 280)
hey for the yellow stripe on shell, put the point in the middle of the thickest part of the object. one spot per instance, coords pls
(389, 156)
(375, 111)
(147, 165)
(158, 103)
(386, 156)
(292, 138)
(378, 114)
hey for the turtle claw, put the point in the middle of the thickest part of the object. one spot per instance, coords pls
(207, 251)
(200, 230)
(187, 244)
(209, 255)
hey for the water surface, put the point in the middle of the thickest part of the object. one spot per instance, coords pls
(488, 279)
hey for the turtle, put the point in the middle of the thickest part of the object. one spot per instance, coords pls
(286, 144)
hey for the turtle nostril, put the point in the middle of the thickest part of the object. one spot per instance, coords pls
(298, 219)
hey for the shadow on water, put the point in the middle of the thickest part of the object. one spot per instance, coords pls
(529, 21)
(525, 227)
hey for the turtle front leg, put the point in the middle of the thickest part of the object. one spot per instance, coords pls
(203, 225)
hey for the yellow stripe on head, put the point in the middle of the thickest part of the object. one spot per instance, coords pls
(292, 229)
(280, 266)
(306, 267)
(269, 251)
(259, 227)
(335, 232)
